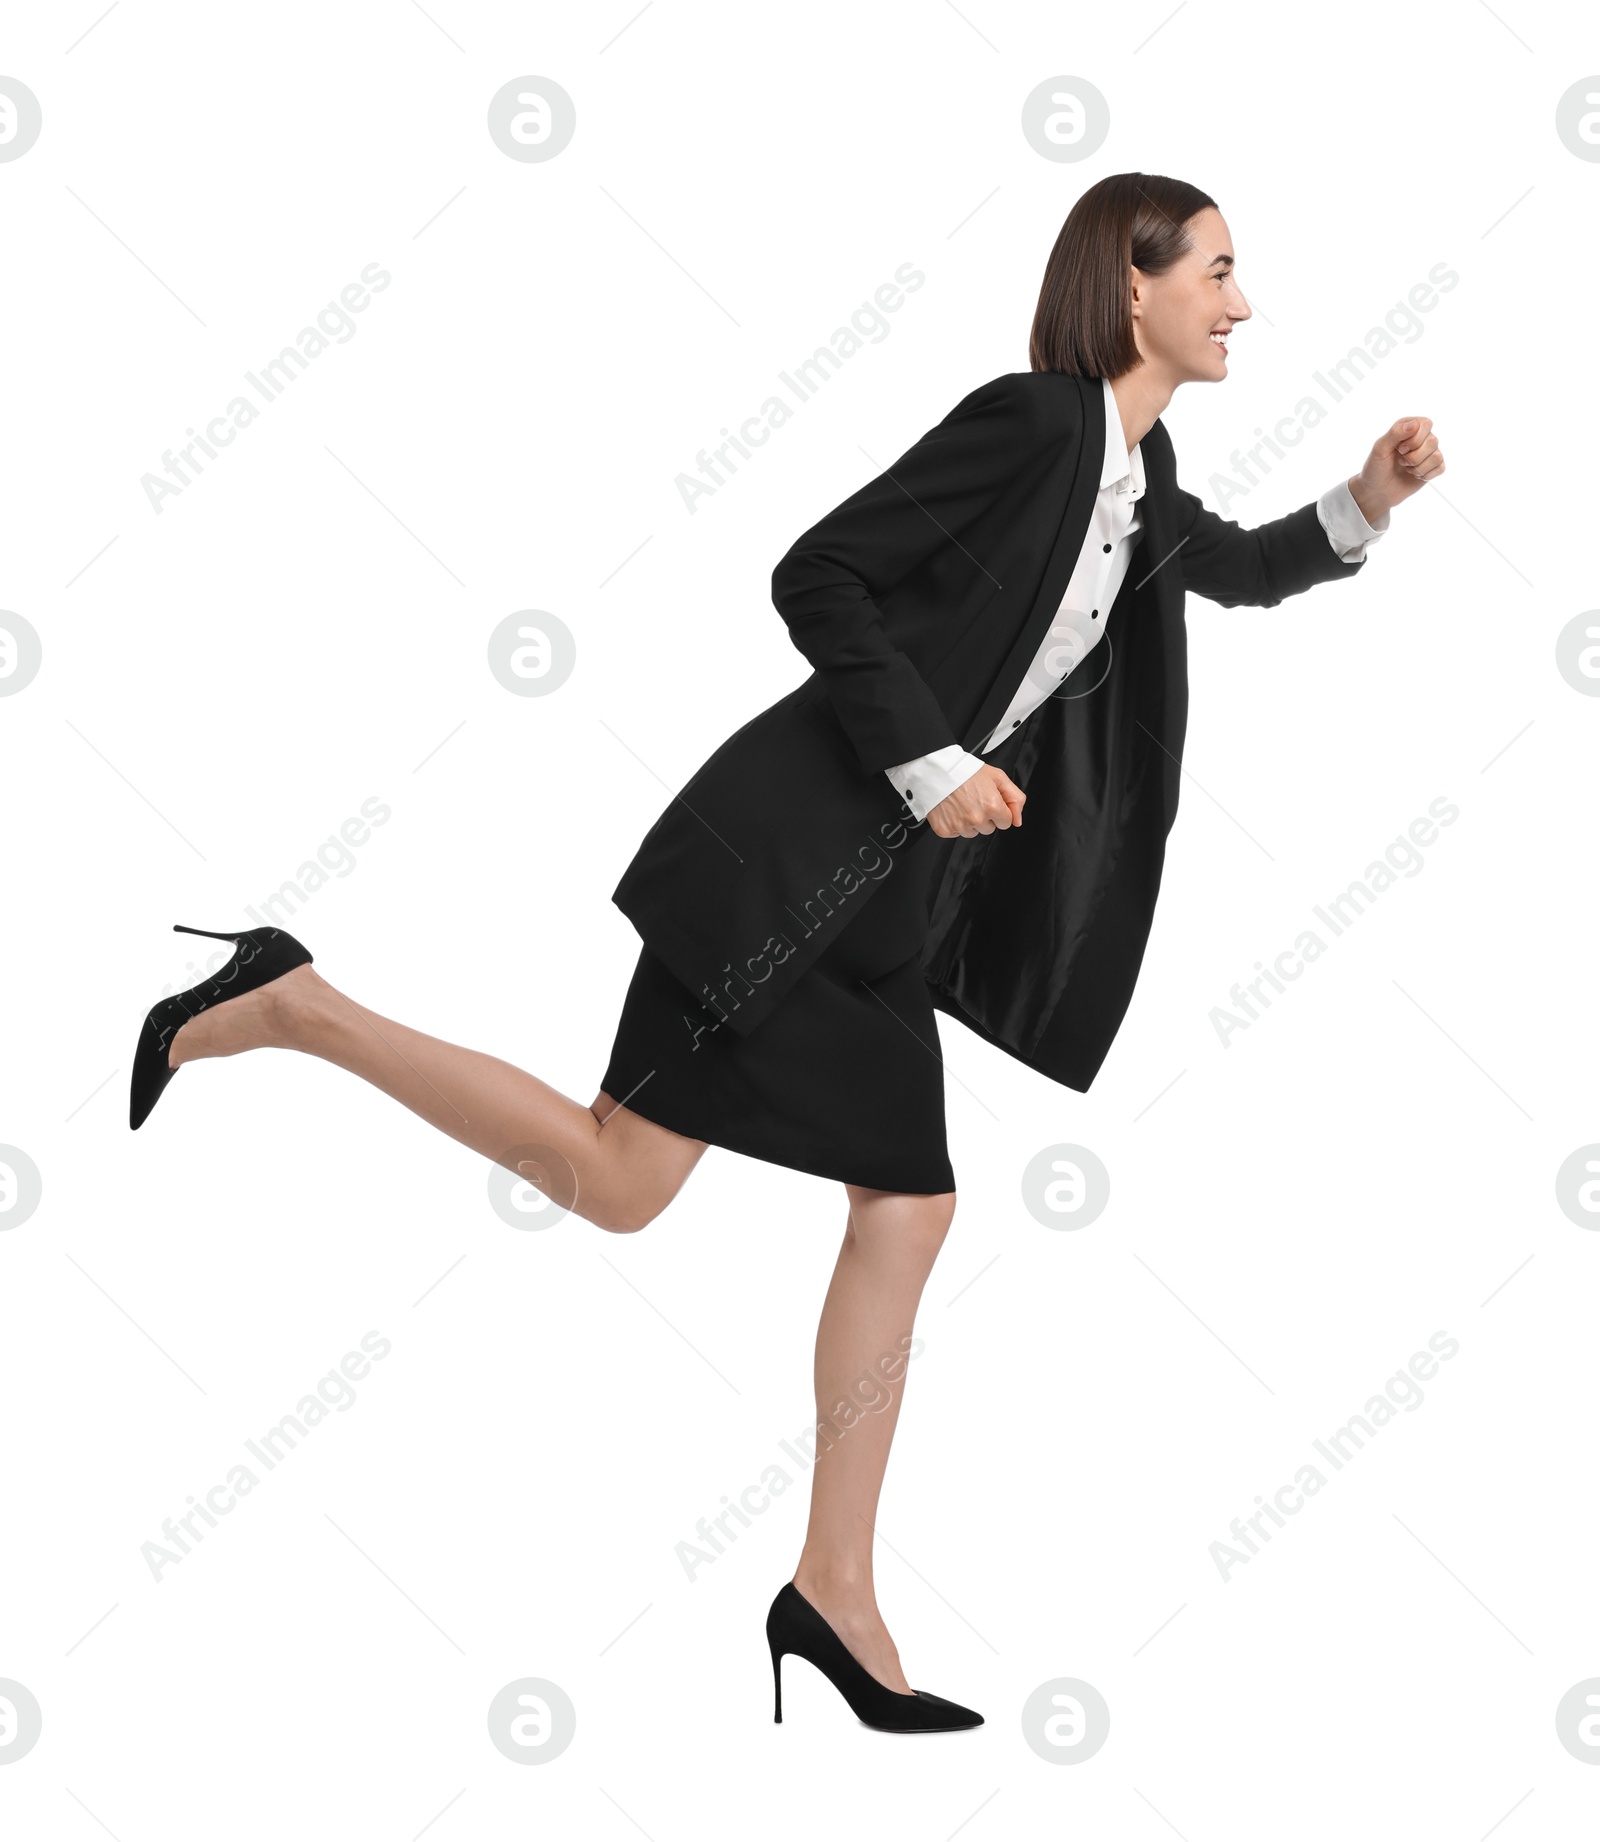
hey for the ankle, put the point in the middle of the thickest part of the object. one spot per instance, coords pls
(844, 1585)
(298, 1010)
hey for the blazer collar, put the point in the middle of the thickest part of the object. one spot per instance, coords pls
(1092, 427)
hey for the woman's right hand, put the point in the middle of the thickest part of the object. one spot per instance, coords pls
(989, 801)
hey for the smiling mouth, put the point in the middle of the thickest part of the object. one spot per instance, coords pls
(1220, 341)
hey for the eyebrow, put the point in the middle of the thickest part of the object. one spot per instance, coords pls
(1216, 259)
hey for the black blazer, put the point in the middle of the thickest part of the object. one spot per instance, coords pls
(920, 603)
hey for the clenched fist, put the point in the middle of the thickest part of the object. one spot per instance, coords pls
(989, 801)
(1402, 460)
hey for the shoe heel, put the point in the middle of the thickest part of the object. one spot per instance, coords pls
(796, 1628)
(210, 934)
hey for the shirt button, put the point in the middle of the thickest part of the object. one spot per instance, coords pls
(1015, 721)
(1095, 615)
(1105, 546)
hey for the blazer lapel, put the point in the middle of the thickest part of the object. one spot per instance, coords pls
(1156, 579)
(1078, 503)
(1154, 555)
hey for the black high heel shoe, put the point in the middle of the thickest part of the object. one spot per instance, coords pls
(795, 1627)
(265, 954)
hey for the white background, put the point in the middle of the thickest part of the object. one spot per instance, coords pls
(1291, 1216)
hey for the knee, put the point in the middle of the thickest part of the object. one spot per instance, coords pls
(624, 1215)
(935, 1215)
(929, 1217)
(903, 1218)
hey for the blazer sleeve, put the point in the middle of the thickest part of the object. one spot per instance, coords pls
(825, 587)
(1258, 567)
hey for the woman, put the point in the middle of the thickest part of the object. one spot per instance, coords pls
(831, 875)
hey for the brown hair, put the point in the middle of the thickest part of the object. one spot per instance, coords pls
(1083, 324)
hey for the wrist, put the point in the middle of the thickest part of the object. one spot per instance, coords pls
(1367, 502)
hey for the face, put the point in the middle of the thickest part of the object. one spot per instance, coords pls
(1176, 315)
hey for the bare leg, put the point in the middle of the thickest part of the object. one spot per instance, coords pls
(623, 1168)
(890, 1245)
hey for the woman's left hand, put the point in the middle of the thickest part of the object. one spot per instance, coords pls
(1401, 462)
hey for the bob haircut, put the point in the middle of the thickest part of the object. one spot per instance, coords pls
(1083, 324)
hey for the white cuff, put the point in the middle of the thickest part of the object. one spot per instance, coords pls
(930, 778)
(1348, 531)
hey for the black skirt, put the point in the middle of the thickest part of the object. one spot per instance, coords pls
(845, 1079)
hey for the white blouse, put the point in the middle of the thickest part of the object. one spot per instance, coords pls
(1080, 620)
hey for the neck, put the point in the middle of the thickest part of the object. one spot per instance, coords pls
(1141, 395)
